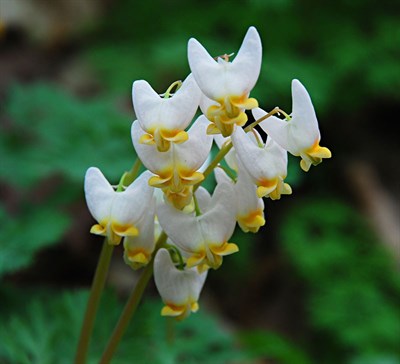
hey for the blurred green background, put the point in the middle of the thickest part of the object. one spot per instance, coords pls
(318, 284)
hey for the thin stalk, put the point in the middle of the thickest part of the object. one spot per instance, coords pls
(93, 303)
(274, 111)
(130, 307)
(218, 158)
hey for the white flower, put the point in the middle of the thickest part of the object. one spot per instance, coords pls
(179, 289)
(176, 170)
(203, 238)
(250, 207)
(227, 83)
(117, 213)
(164, 119)
(138, 249)
(300, 135)
(266, 164)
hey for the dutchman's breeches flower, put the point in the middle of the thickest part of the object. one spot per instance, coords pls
(250, 207)
(118, 213)
(164, 119)
(266, 164)
(176, 170)
(227, 84)
(179, 289)
(169, 222)
(203, 238)
(138, 249)
(300, 134)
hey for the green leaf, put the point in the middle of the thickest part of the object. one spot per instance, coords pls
(45, 331)
(271, 346)
(23, 237)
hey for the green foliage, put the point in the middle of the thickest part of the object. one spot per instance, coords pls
(353, 291)
(342, 63)
(23, 237)
(269, 345)
(52, 133)
(45, 331)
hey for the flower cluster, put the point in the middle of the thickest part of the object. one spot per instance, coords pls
(165, 217)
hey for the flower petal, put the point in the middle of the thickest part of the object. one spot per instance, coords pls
(218, 79)
(152, 159)
(193, 153)
(173, 113)
(247, 64)
(176, 287)
(276, 128)
(99, 194)
(218, 223)
(182, 228)
(130, 205)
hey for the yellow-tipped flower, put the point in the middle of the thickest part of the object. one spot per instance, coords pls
(176, 170)
(203, 238)
(118, 213)
(300, 134)
(164, 119)
(265, 163)
(227, 84)
(179, 289)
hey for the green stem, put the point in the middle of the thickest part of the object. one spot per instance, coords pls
(93, 303)
(130, 307)
(218, 158)
(258, 121)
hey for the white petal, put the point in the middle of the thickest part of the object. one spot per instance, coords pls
(176, 286)
(205, 103)
(218, 79)
(194, 152)
(130, 205)
(145, 240)
(230, 157)
(173, 113)
(247, 64)
(152, 159)
(246, 194)
(203, 198)
(304, 123)
(99, 194)
(261, 163)
(183, 229)
(221, 176)
(276, 128)
(218, 223)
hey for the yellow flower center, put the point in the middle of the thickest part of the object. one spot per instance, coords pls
(252, 221)
(211, 256)
(313, 156)
(229, 112)
(163, 138)
(180, 311)
(114, 231)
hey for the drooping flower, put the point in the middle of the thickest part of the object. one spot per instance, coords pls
(250, 207)
(204, 238)
(117, 213)
(176, 170)
(138, 249)
(265, 163)
(300, 134)
(164, 119)
(227, 84)
(179, 289)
